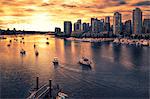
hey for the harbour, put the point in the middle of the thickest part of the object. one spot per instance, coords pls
(118, 70)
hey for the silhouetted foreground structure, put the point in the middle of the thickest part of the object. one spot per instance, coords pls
(47, 91)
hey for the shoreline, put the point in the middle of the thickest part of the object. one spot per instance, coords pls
(127, 41)
(140, 42)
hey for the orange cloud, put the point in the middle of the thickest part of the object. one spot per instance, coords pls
(54, 12)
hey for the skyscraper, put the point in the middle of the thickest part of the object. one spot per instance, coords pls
(127, 27)
(85, 27)
(117, 21)
(67, 27)
(77, 26)
(107, 23)
(101, 26)
(137, 21)
(146, 26)
(94, 25)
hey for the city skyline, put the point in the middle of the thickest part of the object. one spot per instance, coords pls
(45, 15)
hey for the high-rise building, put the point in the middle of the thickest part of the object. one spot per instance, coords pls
(117, 23)
(86, 27)
(146, 26)
(57, 30)
(107, 23)
(107, 19)
(94, 25)
(77, 26)
(97, 25)
(137, 21)
(67, 27)
(101, 26)
(92, 19)
(128, 27)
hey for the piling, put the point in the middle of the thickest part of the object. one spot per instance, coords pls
(50, 88)
(37, 83)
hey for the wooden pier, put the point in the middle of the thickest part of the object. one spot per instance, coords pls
(46, 91)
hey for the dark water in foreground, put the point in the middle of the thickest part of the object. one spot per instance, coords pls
(118, 72)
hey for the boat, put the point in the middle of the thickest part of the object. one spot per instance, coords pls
(10, 41)
(61, 95)
(34, 46)
(36, 53)
(47, 43)
(115, 41)
(2, 37)
(145, 43)
(22, 51)
(85, 61)
(8, 45)
(55, 61)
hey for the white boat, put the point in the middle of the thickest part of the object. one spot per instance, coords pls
(145, 43)
(116, 41)
(85, 61)
(55, 61)
(61, 95)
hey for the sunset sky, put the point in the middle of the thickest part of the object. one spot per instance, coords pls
(45, 15)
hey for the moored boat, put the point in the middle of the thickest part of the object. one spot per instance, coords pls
(55, 61)
(47, 43)
(36, 53)
(8, 45)
(22, 51)
(145, 43)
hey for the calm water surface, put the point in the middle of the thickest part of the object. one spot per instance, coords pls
(118, 72)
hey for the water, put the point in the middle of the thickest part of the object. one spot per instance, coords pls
(118, 72)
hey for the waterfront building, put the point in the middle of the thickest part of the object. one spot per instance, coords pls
(94, 25)
(117, 23)
(92, 19)
(127, 27)
(146, 26)
(101, 26)
(107, 23)
(67, 28)
(137, 21)
(85, 27)
(97, 26)
(57, 30)
(77, 26)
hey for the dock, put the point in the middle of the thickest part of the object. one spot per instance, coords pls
(47, 91)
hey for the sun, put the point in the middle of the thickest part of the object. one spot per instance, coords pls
(45, 1)
(41, 21)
